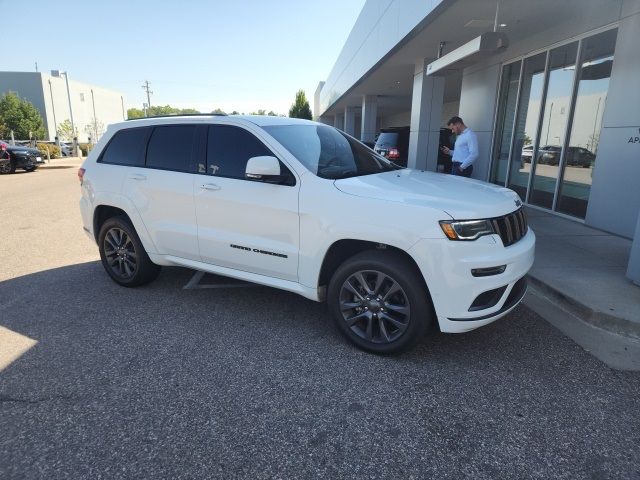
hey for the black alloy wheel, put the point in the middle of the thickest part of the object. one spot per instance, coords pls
(122, 254)
(380, 301)
(6, 166)
(374, 306)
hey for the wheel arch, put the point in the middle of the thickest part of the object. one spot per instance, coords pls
(341, 250)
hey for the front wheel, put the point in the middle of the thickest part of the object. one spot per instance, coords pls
(122, 254)
(380, 302)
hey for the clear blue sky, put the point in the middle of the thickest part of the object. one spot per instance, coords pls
(231, 54)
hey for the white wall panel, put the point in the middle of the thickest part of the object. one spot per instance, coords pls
(379, 27)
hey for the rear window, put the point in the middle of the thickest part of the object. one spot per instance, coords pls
(127, 147)
(387, 139)
(173, 147)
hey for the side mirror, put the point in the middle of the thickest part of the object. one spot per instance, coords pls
(265, 168)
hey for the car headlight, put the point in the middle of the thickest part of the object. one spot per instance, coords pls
(466, 229)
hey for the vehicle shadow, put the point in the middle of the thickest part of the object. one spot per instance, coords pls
(80, 301)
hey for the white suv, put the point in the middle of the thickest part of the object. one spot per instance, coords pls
(302, 206)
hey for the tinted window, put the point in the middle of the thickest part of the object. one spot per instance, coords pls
(127, 147)
(229, 149)
(387, 139)
(172, 147)
(329, 153)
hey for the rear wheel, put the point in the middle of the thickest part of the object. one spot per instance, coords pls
(7, 167)
(122, 254)
(380, 302)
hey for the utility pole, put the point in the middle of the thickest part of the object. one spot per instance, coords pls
(145, 87)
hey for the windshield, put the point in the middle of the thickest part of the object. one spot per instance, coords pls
(329, 153)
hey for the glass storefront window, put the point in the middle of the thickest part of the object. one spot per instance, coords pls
(553, 133)
(526, 128)
(596, 62)
(505, 121)
(562, 64)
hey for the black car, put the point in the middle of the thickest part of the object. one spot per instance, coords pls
(576, 156)
(393, 143)
(14, 157)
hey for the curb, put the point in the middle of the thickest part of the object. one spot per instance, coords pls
(604, 321)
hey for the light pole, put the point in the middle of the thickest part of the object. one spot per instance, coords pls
(57, 73)
(53, 108)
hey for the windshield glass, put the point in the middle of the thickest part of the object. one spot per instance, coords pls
(329, 153)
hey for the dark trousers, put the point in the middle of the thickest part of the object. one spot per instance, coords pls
(455, 170)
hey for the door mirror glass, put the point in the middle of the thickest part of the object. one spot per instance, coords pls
(266, 168)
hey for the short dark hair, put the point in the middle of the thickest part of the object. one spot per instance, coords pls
(454, 121)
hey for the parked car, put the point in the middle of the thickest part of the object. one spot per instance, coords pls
(527, 153)
(303, 207)
(580, 157)
(575, 157)
(14, 157)
(393, 144)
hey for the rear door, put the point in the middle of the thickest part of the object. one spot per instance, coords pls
(162, 190)
(245, 224)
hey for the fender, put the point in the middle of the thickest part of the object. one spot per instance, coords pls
(117, 200)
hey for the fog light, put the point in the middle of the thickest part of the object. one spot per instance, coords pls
(487, 272)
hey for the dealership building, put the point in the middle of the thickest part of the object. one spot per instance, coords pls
(58, 98)
(552, 90)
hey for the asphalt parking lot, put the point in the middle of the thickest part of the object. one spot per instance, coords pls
(250, 382)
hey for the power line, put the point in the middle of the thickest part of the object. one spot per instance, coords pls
(149, 92)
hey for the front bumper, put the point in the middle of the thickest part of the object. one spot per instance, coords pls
(446, 266)
(28, 162)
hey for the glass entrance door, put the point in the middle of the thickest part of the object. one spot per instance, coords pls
(562, 63)
(545, 147)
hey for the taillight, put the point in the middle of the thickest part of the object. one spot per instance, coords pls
(81, 174)
(393, 154)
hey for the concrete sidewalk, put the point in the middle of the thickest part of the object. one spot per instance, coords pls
(582, 270)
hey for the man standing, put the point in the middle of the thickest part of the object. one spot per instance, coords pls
(465, 150)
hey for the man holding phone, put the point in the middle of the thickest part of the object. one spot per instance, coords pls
(465, 150)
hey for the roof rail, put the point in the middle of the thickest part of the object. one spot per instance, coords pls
(181, 115)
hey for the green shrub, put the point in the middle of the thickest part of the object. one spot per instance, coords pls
(54, 151)
(85, 148)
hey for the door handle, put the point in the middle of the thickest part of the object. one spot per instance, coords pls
(210, 186)
(137, 176)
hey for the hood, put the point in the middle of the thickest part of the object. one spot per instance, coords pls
(461, 198)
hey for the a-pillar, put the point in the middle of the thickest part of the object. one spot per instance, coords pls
(426, 113)
(338, 121)
(350, 120)
(369, 115)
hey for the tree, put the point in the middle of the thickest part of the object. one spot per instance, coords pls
(135, 113)
(272, 113)
(218, 111)
(300, 108)
(259, 112)
(158, 110)
(65, 132)
(95, 129)
(21, 116)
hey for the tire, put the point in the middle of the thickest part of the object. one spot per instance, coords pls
(30, 169)
(7, 168)
(395, 310)
(122, 254)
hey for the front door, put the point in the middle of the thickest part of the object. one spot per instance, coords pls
(244, 224)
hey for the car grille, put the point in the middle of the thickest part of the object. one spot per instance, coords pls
(511, 227)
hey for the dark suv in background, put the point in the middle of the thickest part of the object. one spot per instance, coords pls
(393, 144)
